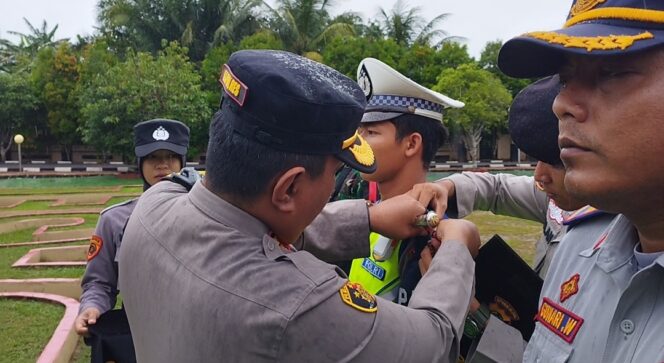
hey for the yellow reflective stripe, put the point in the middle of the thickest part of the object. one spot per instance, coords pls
(370, 282)
(652, 16)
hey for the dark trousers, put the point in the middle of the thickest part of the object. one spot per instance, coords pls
(110, 339)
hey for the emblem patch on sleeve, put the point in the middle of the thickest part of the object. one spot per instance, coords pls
(356, 296)
(569, 288)
(95, 246)
(559, 320)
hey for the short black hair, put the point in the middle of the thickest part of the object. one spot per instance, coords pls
(433, 133)
(243, 168)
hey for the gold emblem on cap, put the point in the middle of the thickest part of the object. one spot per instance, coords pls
(360, 149)
(583, 5)
(606, 42)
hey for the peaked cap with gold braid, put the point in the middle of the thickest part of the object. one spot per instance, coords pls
(593, 27)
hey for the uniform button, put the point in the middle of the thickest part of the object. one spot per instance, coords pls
(270, 245)
(627, 326)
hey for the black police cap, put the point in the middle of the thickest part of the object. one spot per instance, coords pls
(532, 124)
(291, 103)
(157, 134)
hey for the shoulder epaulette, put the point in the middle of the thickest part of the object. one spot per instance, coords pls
(118, 205)
(581, 214)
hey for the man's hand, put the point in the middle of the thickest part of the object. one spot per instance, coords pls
(434, 195)
(394, 218)
(86, 318)
(460, 230)
(450, 229)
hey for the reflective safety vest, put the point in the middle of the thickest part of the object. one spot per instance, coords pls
(378, 278)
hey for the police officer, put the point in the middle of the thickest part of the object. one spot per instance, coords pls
(403, 124)
(160, 148)
(543, 198)
(213, 274)
(601, 300)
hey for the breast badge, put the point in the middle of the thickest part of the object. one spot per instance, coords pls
(569, 288)
(356, 296)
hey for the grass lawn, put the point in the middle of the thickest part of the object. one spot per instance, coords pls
(27, 326)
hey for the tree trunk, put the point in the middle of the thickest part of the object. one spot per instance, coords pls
(471, 141)
(4, 149)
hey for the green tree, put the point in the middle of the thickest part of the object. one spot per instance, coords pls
(489, 61)
(197, 24)
(18, 106)
(304, 26)
(487, 101)
(55, 76)
(406, 26)
(345, 53)
(423, 63)
(29, 44)
(144, 87)
(211, 70)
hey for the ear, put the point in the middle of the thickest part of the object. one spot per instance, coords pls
(413, 144)
(286, 186)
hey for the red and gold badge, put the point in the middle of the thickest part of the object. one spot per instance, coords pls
(569, 288)
(95, 246)
(356, 296)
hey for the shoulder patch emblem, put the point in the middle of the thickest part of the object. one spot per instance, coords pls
(569, 288)
(356, 296)
(559, 320)
(95, 246)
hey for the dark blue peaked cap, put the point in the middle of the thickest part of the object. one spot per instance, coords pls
(593, 27)
(532, 124)
(291, 103)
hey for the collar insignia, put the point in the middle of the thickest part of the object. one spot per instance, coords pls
(569, 288)
(160, 134)
(559, 320)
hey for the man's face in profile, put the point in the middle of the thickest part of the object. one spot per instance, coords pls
(612, 129)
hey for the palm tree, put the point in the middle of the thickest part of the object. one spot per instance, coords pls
(28, 44)
(406, 26)
(197, 24)
(305, 25)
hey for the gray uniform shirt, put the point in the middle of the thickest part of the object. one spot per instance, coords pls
(515, 196)
(204, 281)
(100, 281)
(612, 313)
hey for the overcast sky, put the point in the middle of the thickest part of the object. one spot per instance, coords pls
(479, 21)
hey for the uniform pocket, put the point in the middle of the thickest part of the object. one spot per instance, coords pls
(545, 346)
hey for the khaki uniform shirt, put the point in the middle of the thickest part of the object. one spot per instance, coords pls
(595, 306)
(203, 281)
(515, 196)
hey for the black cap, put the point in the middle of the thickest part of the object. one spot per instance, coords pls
(594, 28)
(291, 103)
(158, 134)
(532, 124)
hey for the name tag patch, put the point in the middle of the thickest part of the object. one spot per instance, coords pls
(232, 85)
(375, 270)
(559, 320)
